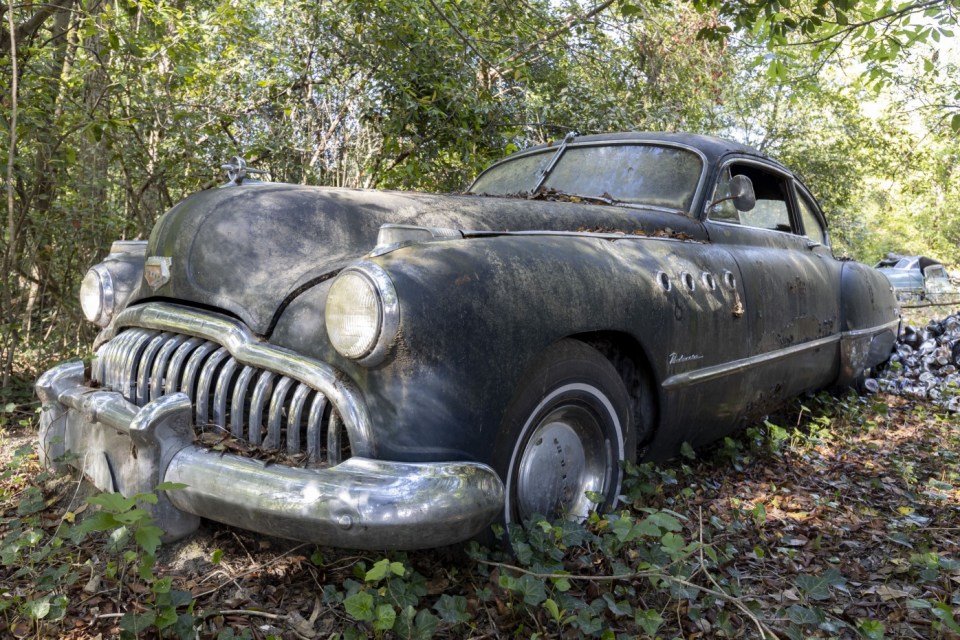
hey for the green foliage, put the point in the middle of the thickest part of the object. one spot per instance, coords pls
(881, 34)
(125, 108)
(124, 111)
(778, 528)
(391, 600)
(47, 561)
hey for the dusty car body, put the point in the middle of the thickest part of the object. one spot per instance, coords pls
(398, 370)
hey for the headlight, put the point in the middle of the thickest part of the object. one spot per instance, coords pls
(108, 286)
(362, 314)
(97, 298)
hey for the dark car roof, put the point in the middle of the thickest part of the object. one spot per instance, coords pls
(712, 147)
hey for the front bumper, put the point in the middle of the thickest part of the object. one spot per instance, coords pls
(360, 503)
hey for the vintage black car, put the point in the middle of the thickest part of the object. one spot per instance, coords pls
(399, 370)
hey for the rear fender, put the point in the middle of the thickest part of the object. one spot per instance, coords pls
(870, 319)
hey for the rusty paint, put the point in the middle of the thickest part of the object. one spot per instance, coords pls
(738, 309)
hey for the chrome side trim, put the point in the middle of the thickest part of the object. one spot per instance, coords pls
(250, 350)
(861, 349)
(467, 233)
(718, 371)
(893, 325)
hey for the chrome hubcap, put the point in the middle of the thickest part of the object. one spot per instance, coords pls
(565, 456)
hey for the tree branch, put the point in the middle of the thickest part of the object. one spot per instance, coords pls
(32, 25)
(10, 250)
(463, 38)
(567, 25)
(849, 28)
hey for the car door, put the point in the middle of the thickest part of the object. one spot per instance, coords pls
(790, 279)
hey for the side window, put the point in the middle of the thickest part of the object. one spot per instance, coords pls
(811, 223)
(772, 210)
(725, 210)
(935, 271)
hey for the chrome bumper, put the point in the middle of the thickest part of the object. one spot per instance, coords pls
(360, 503)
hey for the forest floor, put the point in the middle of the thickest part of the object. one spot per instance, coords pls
(838, 517)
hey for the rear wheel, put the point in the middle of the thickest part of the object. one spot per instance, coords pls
(563, 436)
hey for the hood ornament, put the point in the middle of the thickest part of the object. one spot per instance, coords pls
(237, 171)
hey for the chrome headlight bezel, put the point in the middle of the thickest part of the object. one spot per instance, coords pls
(375, 349)
(108, 286)
(98, 288)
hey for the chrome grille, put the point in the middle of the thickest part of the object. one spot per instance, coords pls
(265, 408)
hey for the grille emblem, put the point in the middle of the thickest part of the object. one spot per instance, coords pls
(157, 271)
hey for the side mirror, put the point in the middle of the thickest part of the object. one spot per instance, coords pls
(742, 194)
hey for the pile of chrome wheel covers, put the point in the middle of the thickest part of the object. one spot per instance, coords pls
(925, 363)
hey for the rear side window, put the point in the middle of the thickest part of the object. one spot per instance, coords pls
(812, 227)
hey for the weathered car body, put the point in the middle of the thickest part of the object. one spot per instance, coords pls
(417, 366)
(918, 278)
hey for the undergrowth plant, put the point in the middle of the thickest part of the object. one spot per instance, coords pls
(52, 557)
(132, 540)
(679, 556)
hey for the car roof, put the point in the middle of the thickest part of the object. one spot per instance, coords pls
(909, 262)
(712, 147)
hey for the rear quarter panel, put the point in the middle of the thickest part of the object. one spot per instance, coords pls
(870, 316)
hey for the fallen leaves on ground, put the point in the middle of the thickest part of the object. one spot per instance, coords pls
(843, 521)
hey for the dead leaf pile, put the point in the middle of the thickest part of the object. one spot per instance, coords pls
(849, 527)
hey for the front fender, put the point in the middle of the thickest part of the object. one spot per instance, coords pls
(475, 312)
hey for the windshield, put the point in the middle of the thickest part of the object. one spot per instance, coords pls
(663, 177)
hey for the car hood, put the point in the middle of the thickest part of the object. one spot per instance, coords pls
(251, 249)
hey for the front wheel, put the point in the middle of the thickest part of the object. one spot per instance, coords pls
(563, 436)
